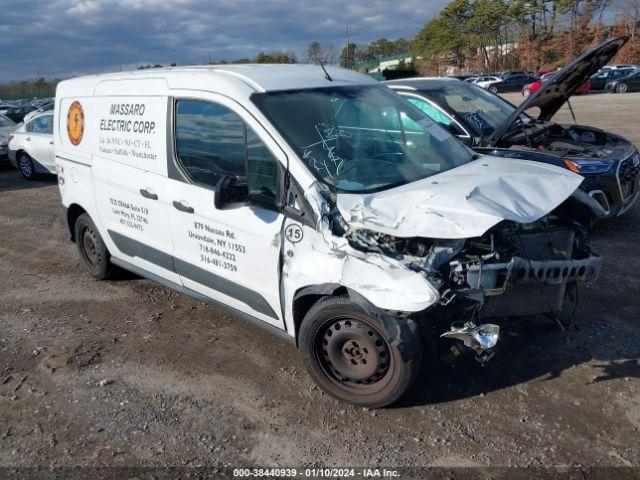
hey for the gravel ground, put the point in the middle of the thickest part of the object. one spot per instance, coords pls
(129, 374)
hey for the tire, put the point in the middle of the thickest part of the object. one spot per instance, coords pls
(93, 252)
(622, 88)
(26, 167)
(353, 357)
(493, 90)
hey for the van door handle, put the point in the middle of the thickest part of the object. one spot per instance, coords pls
(28, 139)
(182, 207)
(148, 194)
(51, 142)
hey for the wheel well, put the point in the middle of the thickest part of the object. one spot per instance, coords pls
(73, 212)
(307, 297)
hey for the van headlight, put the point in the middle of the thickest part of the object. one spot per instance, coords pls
(588, 166)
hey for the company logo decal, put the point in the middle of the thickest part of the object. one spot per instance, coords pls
(75, 123)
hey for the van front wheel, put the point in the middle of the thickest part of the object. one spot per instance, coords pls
(93, 252)
(352, 356)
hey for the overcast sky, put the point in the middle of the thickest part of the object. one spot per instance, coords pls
(59, 38)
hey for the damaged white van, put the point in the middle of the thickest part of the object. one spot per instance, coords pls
(318, 204)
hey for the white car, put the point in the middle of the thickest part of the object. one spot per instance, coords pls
(31, 147)
(7, 126)
(48, 107)
(484, 82)
(317, 204)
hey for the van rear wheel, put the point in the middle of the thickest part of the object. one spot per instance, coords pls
(353, 357)
(93, 251)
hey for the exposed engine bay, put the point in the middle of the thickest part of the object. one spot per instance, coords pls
(549, 253)
(512, 270)
(566, 140)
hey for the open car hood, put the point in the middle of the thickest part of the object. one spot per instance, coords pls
(555, 92)
(463, 202)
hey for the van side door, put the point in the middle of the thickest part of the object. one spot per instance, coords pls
(229, 253)
(129, 173)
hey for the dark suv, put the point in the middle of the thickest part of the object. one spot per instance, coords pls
(600, 80)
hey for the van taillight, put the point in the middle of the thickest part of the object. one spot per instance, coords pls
(60, 172)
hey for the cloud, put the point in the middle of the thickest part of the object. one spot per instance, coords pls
(59, 38)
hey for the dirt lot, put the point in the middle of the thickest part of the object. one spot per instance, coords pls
(129, 374)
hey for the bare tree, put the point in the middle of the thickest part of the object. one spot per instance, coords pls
(318, 53)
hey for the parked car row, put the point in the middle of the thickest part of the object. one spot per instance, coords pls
(612, 78)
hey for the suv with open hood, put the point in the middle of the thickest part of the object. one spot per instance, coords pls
(491, 125)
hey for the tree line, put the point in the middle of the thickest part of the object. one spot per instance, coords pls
(497, 35)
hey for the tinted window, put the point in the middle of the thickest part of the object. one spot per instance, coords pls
(263, 168)
(474, 107)
(43, 124)
(436, 115)
(212, 141)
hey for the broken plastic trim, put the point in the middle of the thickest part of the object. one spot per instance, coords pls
(479, 338)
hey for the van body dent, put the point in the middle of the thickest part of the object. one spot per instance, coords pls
(317, 204)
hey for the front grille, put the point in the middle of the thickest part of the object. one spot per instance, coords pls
(628, 171)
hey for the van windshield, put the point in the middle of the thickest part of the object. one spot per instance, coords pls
(361, 138)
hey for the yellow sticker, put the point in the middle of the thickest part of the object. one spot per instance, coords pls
(75, 123)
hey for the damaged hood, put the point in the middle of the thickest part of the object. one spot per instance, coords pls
(554, 93)
(463, 202)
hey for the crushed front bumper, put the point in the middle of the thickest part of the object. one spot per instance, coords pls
(526, 287)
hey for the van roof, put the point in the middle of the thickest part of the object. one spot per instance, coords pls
(258, 77)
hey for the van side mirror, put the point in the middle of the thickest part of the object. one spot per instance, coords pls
(230, 189)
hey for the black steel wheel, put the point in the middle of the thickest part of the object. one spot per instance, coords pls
(352, 356)
(26, 167)
(93, 251)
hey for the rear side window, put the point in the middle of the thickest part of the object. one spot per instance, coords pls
(212, 142)
(43, 124)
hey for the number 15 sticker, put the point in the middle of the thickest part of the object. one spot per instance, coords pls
(293, 233)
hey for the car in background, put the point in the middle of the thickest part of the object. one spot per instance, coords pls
(600, 80)
(511, 82)
(31, 147)
(17, 114)
(4, 107)
(7, 126)
(489, 124)
(47, 107)
(485, 81)
(617, 67)
(628, 83)
(533, 87)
